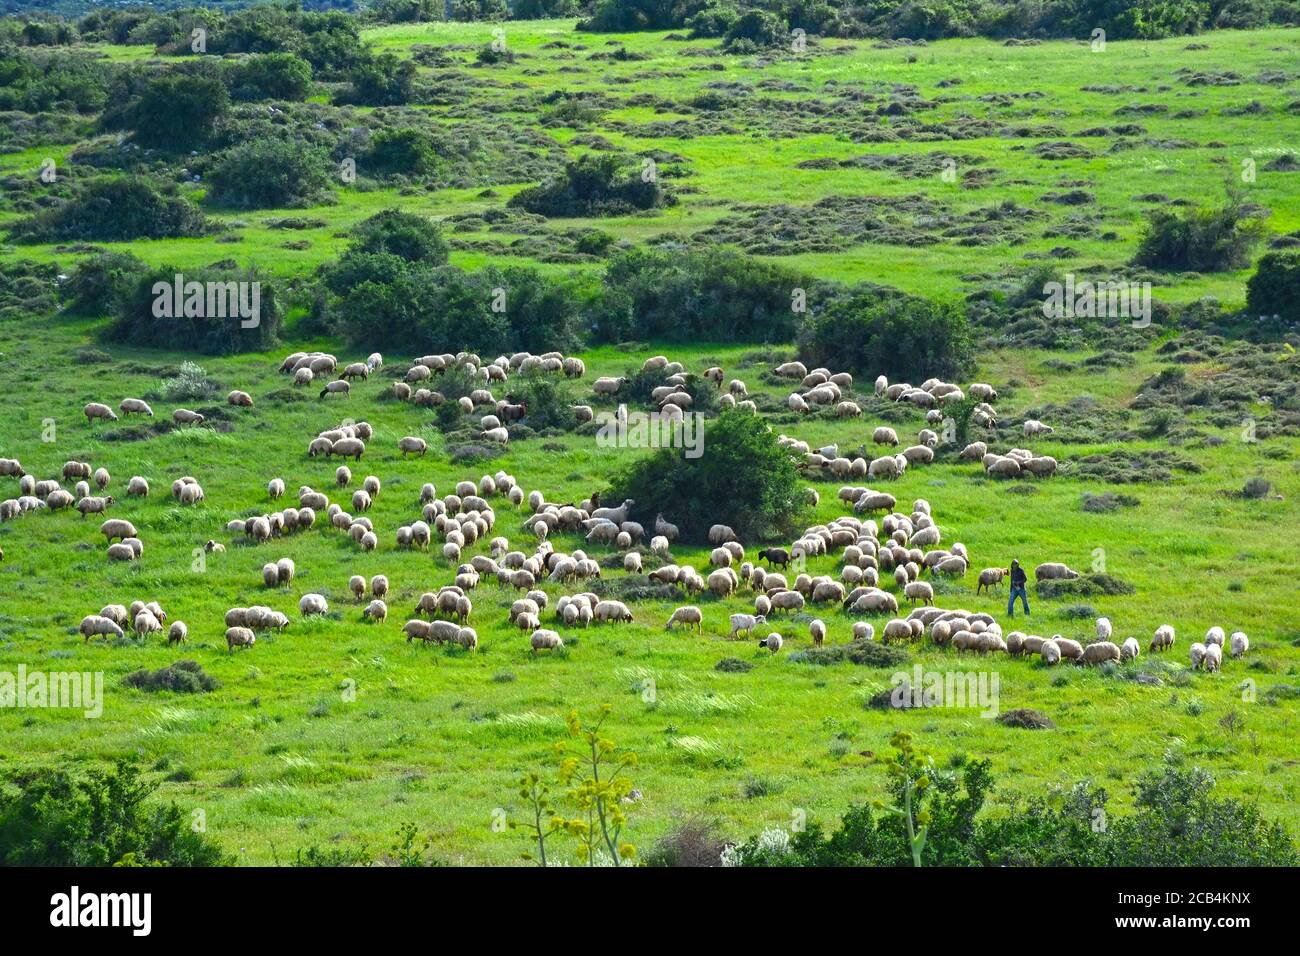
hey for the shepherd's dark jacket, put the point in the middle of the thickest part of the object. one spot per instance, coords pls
(1018, 578)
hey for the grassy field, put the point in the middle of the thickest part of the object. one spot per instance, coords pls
(984, 104)
(279, 758)
(337, 731)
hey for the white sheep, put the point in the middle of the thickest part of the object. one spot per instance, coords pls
(689, 615)
(1239, 643)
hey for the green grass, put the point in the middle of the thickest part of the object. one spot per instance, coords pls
(283, 755)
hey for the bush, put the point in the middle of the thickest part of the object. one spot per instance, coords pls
(183, 677)
(405, 235)
(1274, 289)
(1201, 240)
(383, 80)
(625, 16)
(905, 337)
(754, 30)
(718, 295)
(97, 284)
(275, 76)
(692, 842)
(380, 300)
(211, 333)
(190, 383)
(742, 479)
(178, 111)
(49, 817)
(712, 21)
(268, 173)
(593, 185)
(405, 151)
(114, 209)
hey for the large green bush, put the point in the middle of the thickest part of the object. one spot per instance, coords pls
(139, 322)
(114, 209)
(178, 111)
(1200, 240)
(51, 817)
(717, 295)
(871, 331)
(405, 235)
(275, 76)
(383, 80)
(593, 185)
(741, 478)
(1274, 289)
(267, 174)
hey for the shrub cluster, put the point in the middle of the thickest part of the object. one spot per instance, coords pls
(114, 209)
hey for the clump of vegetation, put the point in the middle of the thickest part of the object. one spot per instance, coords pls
(183, 677)
(733, 665)
(905, 337)
(209, 316)
(932, 818)
(1274, 289)
(693, 842)
(114, 209)
(99, 817)
(862, 653)
(742, 479)
(594, 185)
(594, 771)
(268, 174)
(712, 296)
(1200, 240)
(1026, 718)
(1107, 501)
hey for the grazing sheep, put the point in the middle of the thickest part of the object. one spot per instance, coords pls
(184, 416)
(1100, 651)
(178, 633)
(1197, 655)
(1163, 639)
(270, 575)
(1130, 650)
(95, 411)
(101, 478)
(1050, 652)
(1214, 636)
(240, 399)
(884, 436)
(1103, 629)
(1034, 428)
(117, 528)
(1054, 571)
(239, 637)
(772, 642)
(545, 640)
(136, 406)
(146, 623)
(312, 604)
(817, 629)
(1213, 658)
(337, 387)
(285, 571)
(93, 625)
(1239, 643)
(413, 444)
(919, 591)
(357, 585)
(688, 615)
(376, 611)
(991, 578)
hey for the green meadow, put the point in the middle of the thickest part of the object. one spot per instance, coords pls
(338, 731)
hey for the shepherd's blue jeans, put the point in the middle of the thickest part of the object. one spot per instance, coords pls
(1011, 604)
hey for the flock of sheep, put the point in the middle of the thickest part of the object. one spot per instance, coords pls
(901, 546)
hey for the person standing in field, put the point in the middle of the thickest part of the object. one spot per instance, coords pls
(1018, 582)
